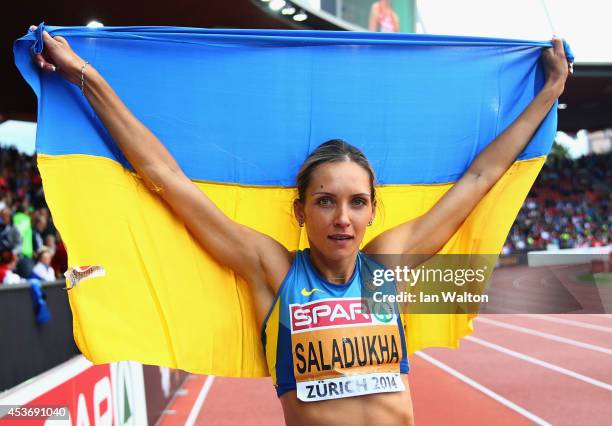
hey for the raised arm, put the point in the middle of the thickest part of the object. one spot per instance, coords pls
(427, 234)
(238, 247)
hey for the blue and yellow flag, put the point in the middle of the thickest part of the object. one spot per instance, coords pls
(240, 110)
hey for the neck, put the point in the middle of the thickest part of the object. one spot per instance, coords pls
(334, 271)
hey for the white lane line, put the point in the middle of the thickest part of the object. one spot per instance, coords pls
(549, 336)
(511, 405)
(541, 363)
(197, 406)
(570, 322)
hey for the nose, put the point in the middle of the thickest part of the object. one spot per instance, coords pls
(342, 218)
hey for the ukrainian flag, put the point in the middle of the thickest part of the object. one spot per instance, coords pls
(240, 110)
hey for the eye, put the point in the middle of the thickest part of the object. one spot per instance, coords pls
(324, 201)
(360, 202)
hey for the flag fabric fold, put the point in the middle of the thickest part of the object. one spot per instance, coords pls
(240, 110)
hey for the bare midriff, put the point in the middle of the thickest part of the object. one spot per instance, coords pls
(393, 408)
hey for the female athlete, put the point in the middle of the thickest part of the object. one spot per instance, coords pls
(321, 377)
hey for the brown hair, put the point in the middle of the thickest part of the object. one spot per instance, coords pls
(334, 150)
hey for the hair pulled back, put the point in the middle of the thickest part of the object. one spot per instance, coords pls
(332, 151)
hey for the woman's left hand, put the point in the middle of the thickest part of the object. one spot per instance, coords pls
(556, 66)
(59, 56)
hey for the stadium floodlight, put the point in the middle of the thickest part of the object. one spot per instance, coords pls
(95, 24)
(300, 16)
(289, 10)
(277, 5)
(562, 106)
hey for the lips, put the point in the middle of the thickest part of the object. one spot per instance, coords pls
(340, 237)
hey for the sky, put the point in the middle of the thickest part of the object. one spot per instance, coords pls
(20, 134)
(585, 24)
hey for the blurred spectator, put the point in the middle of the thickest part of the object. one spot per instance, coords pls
(23, 223)
(50, 243)
(38, 232)
(383, 18)
(568, 206)
(43, 269)
(22, 204)
(10, 238)
(60, 258)
(7, 264)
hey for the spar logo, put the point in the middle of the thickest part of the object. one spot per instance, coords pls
(329, 313)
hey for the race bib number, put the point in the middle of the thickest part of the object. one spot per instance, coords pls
(347, 386)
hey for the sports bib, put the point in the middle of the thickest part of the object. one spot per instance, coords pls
(341, 348)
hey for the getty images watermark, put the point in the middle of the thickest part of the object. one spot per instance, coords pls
(484, 283)
(410, 277)
(427, 284)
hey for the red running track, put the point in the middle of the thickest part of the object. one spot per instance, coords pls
(515, 369)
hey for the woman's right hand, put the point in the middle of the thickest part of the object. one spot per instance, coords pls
(58, 56)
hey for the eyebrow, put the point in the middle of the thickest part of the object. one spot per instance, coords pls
(362, 194)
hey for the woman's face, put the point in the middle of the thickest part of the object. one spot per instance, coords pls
(337, 208)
